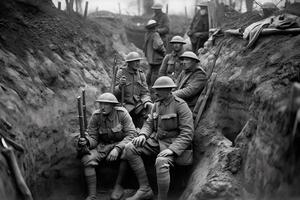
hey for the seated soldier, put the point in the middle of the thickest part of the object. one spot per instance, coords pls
(167, 133)
(136, 98)
(109, 130)
(192, 79)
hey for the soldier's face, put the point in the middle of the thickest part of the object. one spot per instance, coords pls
(202, 11)
(135, 65)
(162, 93)
(177, 46)
(188, 63)
(105, 108)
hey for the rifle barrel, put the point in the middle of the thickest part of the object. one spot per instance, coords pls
(80, 116)
(84, 110)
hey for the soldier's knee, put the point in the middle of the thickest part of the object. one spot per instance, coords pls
(162, 162)
(129, 150)
(89, 160)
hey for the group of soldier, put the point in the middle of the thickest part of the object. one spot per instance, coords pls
(160, 126)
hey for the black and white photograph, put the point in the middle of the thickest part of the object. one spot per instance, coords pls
(149, 99)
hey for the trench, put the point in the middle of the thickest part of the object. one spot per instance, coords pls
(241, 147)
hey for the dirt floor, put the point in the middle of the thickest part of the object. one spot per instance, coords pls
(241, 149)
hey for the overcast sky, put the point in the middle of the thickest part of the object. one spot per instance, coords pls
(130, 6)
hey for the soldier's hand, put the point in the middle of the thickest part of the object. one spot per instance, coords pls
(82, 141)
(122, 81)
(139, 141)
(113, 155)
(166, 152)
(148, 105)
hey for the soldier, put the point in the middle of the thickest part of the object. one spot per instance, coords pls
(171, 65)
(109, 130)
(192, 79)
(198, 31)
(163, 22)
(167, 133)
(131, 79)
(154, 51)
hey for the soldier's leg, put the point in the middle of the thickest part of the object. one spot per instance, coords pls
(162, 165)
(118, 189)
(90, 162)
(133, 155)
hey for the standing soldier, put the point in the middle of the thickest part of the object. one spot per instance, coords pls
(154, 51)
(167, 133)
(163, 22)
(109, 130)
(171, 65)
(192, 79)
(135, 95)
(198, 31)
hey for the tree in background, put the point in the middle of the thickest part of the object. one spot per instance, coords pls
(147, 4)
(249, 5)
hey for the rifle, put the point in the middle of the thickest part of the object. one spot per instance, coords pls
(201, 102)
(114, 73)
(122, 94)
(10, 155)
(11, 142)
(83, 149)
(216, 54)
(84, 110)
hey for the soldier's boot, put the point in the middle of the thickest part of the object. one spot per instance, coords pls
(163, 177)
(91, 180)
(118, 189)
(137, 165)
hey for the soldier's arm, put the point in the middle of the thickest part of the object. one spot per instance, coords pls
(164, 29)
(163, 67)
(147, 128)
(158, 44)
(92, 130)
(128, 128)
(186, 128)
(117, 91)
(194, 87)
(145, 94)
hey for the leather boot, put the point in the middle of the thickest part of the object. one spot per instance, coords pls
(91, 197)
(142, 194)
(117, 192)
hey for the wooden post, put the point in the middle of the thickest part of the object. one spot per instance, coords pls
(139, 7)
(76, 6)
(59, 5)
(167, 8)
(119, 5)
(186, 16)
(71, 5)
(86, 9)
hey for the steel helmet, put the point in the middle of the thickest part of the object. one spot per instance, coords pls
(133, 56)
(164, 82)
(157, 6)
(269, 5)
(107, 98)
(189, 54)
(177, 39)
(151, 23)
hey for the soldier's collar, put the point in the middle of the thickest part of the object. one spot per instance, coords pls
(167, 100)
(110, 116)
(131, 71)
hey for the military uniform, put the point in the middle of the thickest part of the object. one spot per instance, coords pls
(107, 132)
(163, 27)
(154, 51)
(198, 31)
(136, 92)
(190, 84)
(171, 65)
(170, 126)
